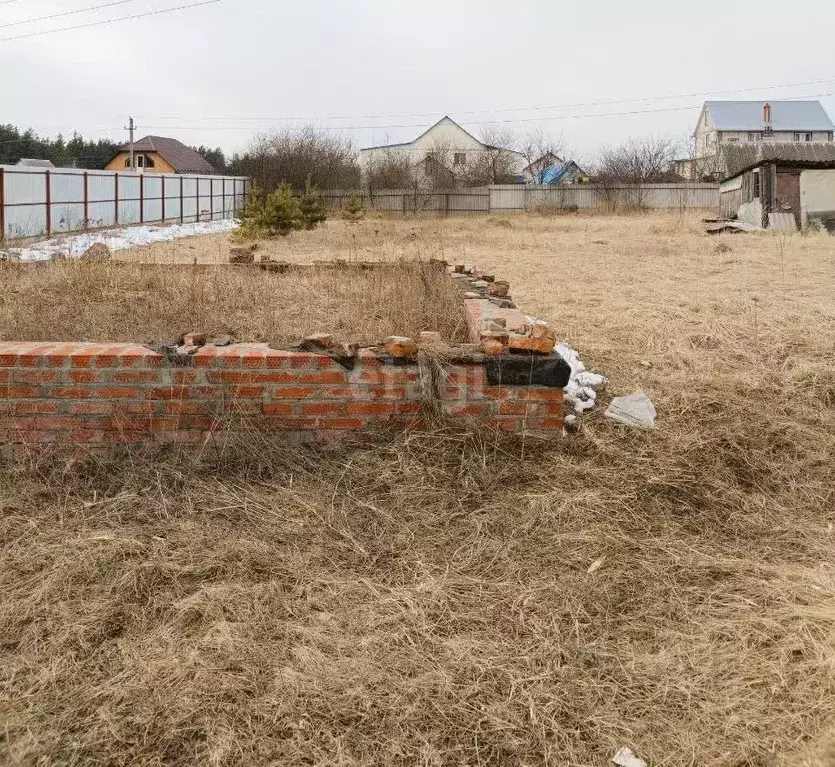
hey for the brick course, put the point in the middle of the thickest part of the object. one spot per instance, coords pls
(100, 394)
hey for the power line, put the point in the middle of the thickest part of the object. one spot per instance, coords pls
(65, 13)
(609, 102)
(503, 121)
(110, 21)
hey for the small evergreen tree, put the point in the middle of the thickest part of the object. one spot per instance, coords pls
(253, 223)
(312, 207)
(278, 213)
(353, 210)
(282, 212)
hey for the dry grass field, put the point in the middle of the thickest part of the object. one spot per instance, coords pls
(107, 301)
(427, 600)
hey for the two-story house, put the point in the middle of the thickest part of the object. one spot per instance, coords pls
(741, 122)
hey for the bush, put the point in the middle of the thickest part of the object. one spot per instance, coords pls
(352, 210)
(277, 213)
(311, 206)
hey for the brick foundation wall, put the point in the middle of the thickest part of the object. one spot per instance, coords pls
(104, 394)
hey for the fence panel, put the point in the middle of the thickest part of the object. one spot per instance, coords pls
(35, 202)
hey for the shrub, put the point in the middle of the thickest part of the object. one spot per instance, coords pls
(279, 213)
(312, 209)
(352, 210)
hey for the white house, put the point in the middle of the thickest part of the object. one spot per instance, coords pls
(743, 122)
(445, 150)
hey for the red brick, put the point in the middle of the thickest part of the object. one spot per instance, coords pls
(551, 423)
(245, 391)
(83, 376)
(118, 392)
(180, 377)
(167, 392)
(254, 361)
(180, 407)
(35, 406)
(8, 360)
(498, 392)
(278, 408)
(555, 408)
(388, 375)
(517, 408)
(341, 423)
(541, 393)
(91, 408)
(229, 376)
(138, 408)
(304, 360)
(323, 377)
(81, 360)
(472, 408)
(293, 392)
(69, 392)
(36, 376)
(136, 376)
(403, 408)
(369, 408)
(323, 408)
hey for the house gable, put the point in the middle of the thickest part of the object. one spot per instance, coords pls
(447, 134)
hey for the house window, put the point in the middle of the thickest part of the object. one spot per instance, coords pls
(755, 136)
(460, 158)
(733, 140)
(755, 183)
(141, 161)
(802, 136)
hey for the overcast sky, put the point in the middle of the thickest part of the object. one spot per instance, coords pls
(392, 68)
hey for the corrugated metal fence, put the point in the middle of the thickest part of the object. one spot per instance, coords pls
(36, 202)
(494, 199)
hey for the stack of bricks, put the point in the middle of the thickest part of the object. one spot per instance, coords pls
(108, 394)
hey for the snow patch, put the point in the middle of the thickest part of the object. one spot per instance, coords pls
(119, 239)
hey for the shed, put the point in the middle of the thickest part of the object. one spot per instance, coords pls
(763, 179)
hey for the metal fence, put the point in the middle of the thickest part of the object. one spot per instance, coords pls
(517, 197)
(35, 202)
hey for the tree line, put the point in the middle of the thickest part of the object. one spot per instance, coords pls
(330, 161)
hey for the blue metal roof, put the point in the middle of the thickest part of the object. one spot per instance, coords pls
(785, 115)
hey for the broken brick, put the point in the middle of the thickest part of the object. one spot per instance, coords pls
(492, 347)
(530, 344)
(541, 329)
(400, 346)
(498, 288)
(194, 339)
(319, 340)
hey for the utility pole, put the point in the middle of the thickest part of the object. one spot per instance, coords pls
(130, 129)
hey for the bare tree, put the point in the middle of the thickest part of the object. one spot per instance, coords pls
(388, 169)
(636, 163)
(705, 168)
(541, 150)
(296, 155)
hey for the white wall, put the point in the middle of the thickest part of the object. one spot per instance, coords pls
(446, 136)
(817, 193)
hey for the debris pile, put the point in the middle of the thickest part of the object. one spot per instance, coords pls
(581, 390)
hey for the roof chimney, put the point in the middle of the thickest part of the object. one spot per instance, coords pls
(767, 113)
